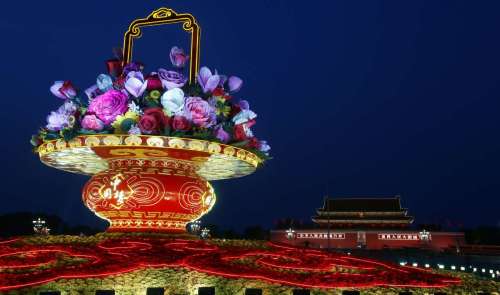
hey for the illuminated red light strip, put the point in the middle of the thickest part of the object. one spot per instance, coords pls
(189, 255)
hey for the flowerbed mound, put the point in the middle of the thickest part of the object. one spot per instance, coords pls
(125, 100)
(105, 255)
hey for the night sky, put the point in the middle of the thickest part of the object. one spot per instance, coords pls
(355, 98)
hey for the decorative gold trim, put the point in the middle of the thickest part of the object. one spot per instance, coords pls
(163, 16)
(84, 154)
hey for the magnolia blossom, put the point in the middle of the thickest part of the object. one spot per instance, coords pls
(244, 116)
(135, 83)
(234, 84)
(207, 81)
(178, 57)
(221, 134)
(63, 89)
(92, 92)
(173, 101)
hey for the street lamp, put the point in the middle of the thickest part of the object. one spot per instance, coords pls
(290, 233)
(205, 233)
(39, 227)
(195, 226)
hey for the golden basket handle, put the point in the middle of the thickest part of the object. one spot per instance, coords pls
(163, 16)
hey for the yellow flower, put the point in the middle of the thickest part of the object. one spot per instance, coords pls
(120, 118)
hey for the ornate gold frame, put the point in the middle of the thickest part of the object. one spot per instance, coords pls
(163, 16)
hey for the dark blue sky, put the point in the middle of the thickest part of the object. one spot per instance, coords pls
(355, 97)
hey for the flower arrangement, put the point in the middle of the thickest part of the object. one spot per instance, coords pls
(126, 101)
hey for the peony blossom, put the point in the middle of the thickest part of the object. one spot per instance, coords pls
(109, 105)
(199, 112)
(207, 81)
(178, 57)
(91, 122)
(135, 83)
(234, 84)
(171, 79)
(181, 123)
(173, 101)
(63, 89)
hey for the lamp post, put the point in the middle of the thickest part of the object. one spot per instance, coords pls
(195, 226)
(39, 227)
(205, 233)
(290, 233)
(328, 224)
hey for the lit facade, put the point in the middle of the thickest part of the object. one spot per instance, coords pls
(371, 223)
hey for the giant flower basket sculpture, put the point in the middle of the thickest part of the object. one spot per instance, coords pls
(152, 142)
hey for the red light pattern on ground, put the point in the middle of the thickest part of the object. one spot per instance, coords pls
(23, 265)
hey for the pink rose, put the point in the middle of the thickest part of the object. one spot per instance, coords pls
(91, 122)
(200, 112)
(109, 105)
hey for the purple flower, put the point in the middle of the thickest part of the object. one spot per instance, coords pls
(234, 84)
(92, 92)
(178, 57)
(134, 130)
(207, 81)
(132, 67)
(199, 112)
(91, 122)
(109, 105)
(63, 89)
(62, 118)
(135, 83)
(264, 147)
(171, 79)
(221, 134)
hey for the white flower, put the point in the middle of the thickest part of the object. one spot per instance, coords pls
(244, 116)
(132, 107)
(173, 101)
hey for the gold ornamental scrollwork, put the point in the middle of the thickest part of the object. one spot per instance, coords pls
(138, 153)
(164, 16)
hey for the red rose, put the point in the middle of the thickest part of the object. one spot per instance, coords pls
(239, 133)
(181, 123)
(253, 143)
(153, 121)
(149, 125)
(154, 83)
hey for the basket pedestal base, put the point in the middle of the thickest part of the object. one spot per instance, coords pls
(148, 195)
